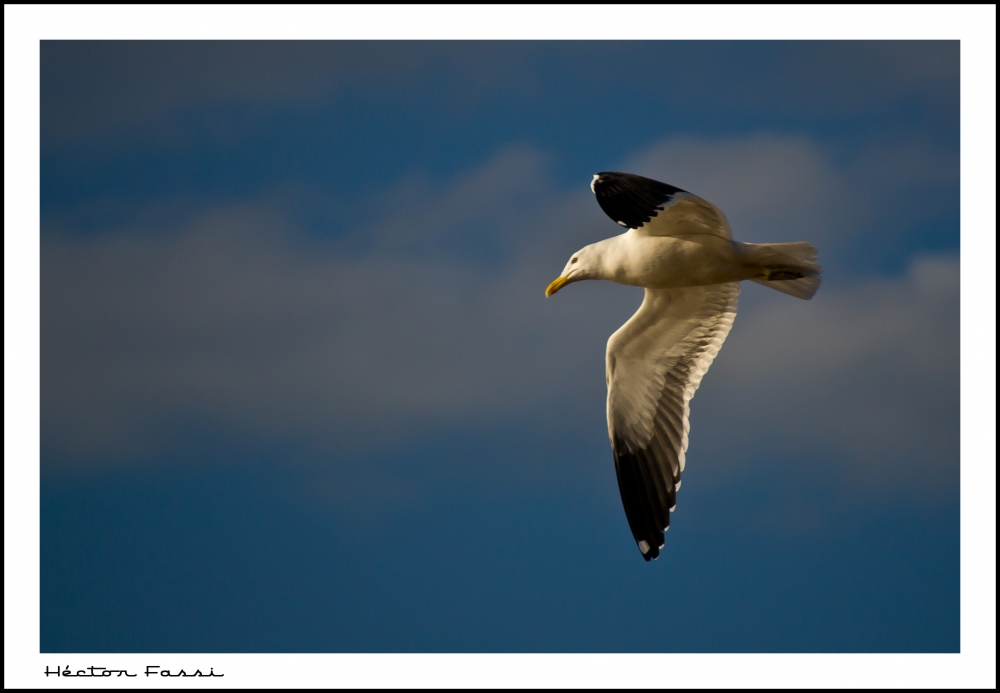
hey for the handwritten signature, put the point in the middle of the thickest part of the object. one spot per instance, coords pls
(152, 670)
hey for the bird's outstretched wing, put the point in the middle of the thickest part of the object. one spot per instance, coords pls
(655, 362)
(655, 208)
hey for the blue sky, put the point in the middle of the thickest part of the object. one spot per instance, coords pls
(301, 391)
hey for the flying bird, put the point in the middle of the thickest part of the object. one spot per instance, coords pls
(679, 248)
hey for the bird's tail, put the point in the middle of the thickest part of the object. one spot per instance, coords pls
(791, 268)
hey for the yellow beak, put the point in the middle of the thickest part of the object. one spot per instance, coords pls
(556, 285)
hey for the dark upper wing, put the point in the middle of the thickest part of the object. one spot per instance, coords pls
(655, 362)
(656, 208)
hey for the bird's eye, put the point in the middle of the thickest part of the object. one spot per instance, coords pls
(573, 261)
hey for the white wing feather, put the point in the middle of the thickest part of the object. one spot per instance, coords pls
(655, 363)
(688, 214)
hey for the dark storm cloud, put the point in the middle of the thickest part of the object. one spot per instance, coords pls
(95, 87)
(98, 88)
(240, 320)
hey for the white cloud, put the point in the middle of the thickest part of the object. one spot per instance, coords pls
(772, 188)
(776, 188)
(240, 321)
(867, 374)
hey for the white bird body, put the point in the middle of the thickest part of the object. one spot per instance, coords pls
(667, 262)
(679, 247)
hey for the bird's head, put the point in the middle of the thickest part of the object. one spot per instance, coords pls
(584, 264)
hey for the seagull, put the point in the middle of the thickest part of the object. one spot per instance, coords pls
(679, 248)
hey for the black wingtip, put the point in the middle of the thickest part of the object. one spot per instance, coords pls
(629, 199)
(647, 494)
